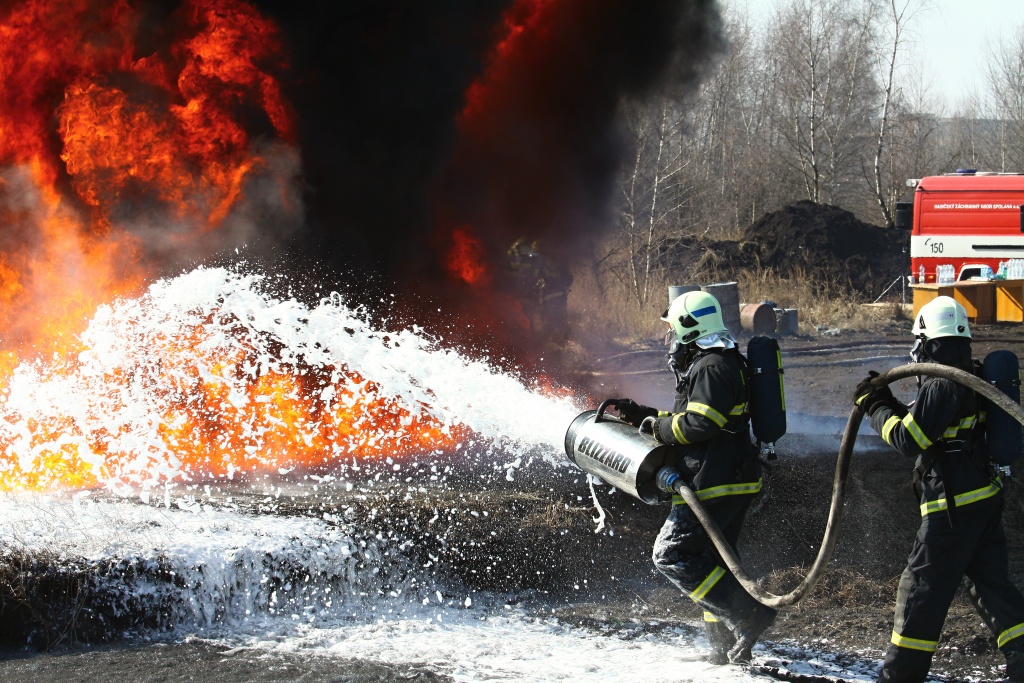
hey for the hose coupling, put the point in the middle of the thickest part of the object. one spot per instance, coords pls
(667, 478)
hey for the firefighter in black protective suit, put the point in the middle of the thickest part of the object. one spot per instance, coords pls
(709, 427)
(958, 536)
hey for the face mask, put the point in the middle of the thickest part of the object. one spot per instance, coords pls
(680, 356)
(918, 353)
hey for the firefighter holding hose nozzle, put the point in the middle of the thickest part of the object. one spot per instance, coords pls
(959, 492)
(709, 431)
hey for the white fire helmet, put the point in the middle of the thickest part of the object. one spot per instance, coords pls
(943, 316)
(694, 315)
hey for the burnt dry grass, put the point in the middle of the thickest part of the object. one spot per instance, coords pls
(48, 601)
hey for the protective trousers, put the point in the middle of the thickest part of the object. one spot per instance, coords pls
(941, 556)
(684, 553)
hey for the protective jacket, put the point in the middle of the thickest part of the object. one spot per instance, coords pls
(710, 421)
(940, 430)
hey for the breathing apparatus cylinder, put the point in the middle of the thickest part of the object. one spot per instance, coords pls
(1003, 433)
(617, 452)
(767, 395)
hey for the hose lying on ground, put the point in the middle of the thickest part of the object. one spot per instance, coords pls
(835, 515)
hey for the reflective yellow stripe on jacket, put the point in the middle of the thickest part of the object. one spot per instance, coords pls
(962, 498)
(738, 411)
(966, 423)
(707, 411)
(915, 431)
(743, 488)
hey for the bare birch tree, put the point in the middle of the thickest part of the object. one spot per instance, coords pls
(826, 89)
(1006, 88)
(651, 190)
(908, 123)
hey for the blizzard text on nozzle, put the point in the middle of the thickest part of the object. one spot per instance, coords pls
(604, 455)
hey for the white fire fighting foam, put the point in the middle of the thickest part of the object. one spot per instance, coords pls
(133, 418)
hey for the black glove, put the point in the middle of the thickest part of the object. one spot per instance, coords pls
(660, 427)
(864, 389)
(871, 397)
(632, 412)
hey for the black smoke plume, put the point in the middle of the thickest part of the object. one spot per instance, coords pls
(419, 117)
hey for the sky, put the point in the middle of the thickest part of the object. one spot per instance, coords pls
(951, 39)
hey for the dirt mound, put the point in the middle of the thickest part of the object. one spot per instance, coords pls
(829, 244)
(826, 245)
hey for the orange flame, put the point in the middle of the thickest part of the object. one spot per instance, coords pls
(466, 259)
(94, 134)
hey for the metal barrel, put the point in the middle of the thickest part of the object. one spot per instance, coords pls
(676, 291)
(617, 452)
(728, 295)
(758, 318)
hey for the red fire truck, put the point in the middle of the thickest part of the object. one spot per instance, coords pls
(968, 220)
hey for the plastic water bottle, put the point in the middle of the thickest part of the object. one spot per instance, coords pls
(920, 274)
(1001, 272)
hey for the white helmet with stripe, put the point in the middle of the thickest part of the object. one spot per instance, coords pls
(943, 316)
(694, 315)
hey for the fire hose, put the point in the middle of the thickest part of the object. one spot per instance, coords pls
(842, 474)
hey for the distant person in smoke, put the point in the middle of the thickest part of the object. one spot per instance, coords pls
(958, 536)
(709, 430)
(542, 289)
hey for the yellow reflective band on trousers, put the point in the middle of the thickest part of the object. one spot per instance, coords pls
(709, 617)
(744, 488)
(914, 643)
(707, 411)
(915, 431)
(707, 584)
(1007, 635)
(961, 498)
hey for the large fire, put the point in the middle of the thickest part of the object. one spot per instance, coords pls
(199, 395)
(116, 136)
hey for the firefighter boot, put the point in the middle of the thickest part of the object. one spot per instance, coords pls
(748, 631)
(1015, 666)
(720, 639)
